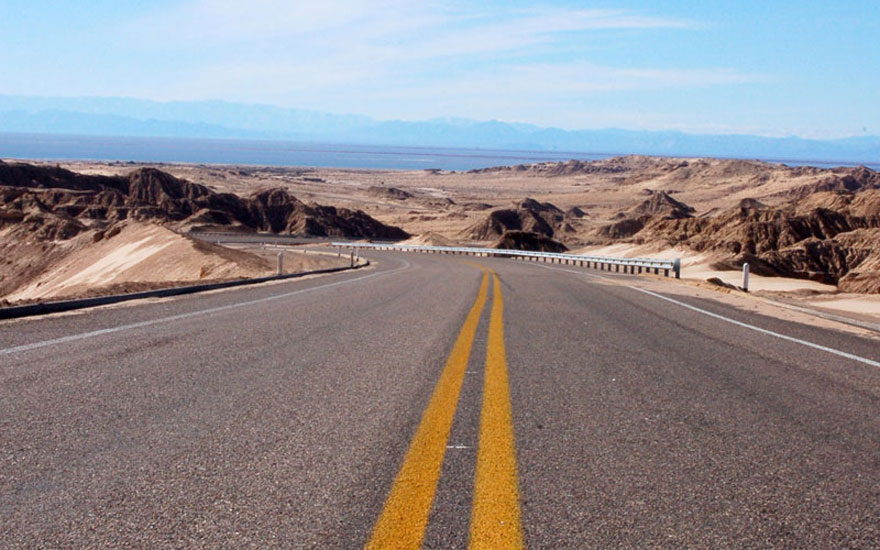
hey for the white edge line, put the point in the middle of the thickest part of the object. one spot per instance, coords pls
(141, 324)
(833, 351)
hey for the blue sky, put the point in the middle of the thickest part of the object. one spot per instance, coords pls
(773, 68)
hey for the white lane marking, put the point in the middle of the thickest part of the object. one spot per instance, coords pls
(833, 351)
(141, 324)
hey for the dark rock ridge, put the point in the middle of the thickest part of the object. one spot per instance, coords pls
(527, 240)
(58, 204)
(542, 218)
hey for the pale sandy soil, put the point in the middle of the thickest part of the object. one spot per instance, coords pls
(858, 303)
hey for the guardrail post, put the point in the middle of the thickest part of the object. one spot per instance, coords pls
(746, 277)
(351, 258)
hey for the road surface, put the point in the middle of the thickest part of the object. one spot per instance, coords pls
(437, 402)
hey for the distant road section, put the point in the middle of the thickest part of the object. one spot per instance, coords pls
(433, 402)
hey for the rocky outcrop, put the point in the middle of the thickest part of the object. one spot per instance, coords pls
(527, 240)
(528, 215)
(392, 193)
(660, 206)
(575, 212)
(838, 242)
(58, 204)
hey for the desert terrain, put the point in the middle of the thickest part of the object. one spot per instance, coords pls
(809, 234)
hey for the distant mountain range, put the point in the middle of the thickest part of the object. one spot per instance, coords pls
(220, 119)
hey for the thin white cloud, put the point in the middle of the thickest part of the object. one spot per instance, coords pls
(400, 22)
(217, 22)
(404, 59)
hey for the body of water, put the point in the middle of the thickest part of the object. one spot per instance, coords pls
(285, 153)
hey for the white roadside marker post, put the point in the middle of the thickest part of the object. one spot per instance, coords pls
(746, 277)
(280, 263)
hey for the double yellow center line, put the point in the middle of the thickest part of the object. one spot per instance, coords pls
(495, 520)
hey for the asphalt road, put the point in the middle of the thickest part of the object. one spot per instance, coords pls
(425, 402)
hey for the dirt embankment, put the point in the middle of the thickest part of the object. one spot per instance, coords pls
(139, 255)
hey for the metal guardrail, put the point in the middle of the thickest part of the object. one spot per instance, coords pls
(604, 263)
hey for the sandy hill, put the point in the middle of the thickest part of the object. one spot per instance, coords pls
(430, 238)
(137, 256)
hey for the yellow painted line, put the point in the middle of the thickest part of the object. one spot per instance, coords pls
(495, 521)
(405, 514)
